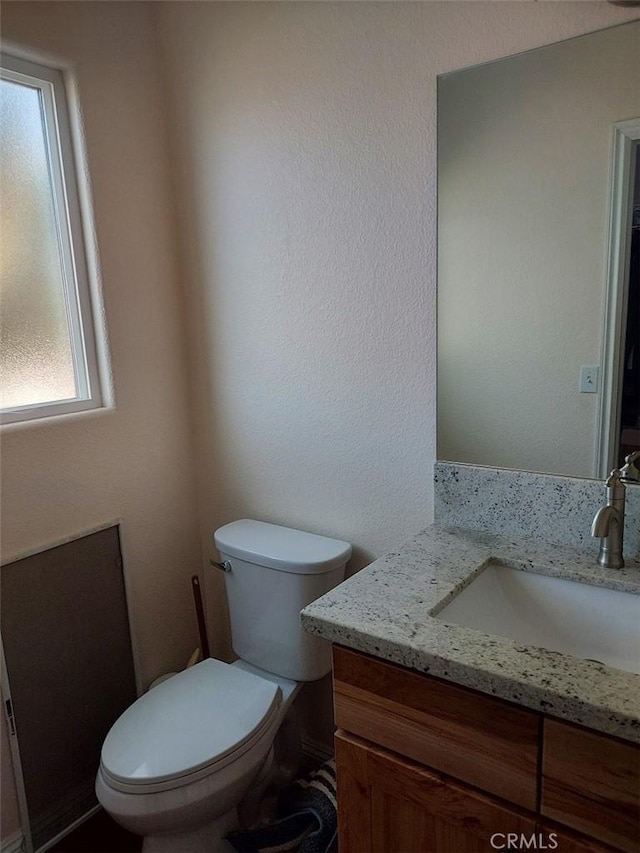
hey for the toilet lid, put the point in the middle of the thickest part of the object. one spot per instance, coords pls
(197, 718)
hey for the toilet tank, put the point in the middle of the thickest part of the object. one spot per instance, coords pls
(275, 572)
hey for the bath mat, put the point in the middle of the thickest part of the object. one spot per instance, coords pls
(308, 822)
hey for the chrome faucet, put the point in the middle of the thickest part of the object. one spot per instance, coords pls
(608, 524)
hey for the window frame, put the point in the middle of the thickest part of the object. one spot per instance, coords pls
(70, 216)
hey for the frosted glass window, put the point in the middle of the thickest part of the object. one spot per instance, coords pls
(47, 350)
(35, 348)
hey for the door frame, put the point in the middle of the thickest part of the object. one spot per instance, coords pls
(625, 135)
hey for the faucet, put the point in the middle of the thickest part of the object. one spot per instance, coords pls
(608, 524)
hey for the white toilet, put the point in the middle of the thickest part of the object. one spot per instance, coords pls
(178, 763)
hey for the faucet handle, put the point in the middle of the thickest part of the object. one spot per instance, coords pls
(629, 472)
(615, 485)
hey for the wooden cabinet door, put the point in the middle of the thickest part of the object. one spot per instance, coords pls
(591, 783)
(387, 804)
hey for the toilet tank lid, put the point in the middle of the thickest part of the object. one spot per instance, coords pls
(281, 548)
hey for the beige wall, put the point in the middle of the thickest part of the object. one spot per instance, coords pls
(134, 462)
(306, 165)
(523, 205)
(305, 137)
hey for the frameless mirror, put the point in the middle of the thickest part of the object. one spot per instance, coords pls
(538, 306)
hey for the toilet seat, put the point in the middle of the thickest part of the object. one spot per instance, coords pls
(190, 726)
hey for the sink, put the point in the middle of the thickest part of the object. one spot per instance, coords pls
(590, 622)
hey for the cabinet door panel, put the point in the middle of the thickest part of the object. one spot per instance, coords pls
(354, 798)
(405, 808)
(591, 782)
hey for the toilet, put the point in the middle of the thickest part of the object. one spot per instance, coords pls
(180, 762)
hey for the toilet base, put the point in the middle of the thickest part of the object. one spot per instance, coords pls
(204, 839)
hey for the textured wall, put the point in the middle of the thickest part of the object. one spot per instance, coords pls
(135, 461)
(305, 142)
(305, 138)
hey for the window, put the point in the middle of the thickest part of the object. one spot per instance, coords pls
(48, 360)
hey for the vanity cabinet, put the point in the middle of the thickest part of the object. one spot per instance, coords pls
(425, 766)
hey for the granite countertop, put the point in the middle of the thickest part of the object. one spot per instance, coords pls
(385, 611)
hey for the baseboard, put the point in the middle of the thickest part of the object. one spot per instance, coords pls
(316, 750)
(13, 843)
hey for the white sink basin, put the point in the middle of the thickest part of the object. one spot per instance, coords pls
(590, 622)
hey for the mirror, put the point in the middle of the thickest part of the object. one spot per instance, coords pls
(536, 166)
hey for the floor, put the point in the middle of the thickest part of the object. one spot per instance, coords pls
(99, 834)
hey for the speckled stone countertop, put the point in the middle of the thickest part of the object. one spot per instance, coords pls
(384, 610)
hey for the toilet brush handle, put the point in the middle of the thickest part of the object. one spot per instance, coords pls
(202, 625)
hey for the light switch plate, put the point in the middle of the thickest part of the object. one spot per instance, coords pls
(589, 379)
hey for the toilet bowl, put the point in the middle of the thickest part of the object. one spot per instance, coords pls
(188, 752)
(184, 758)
